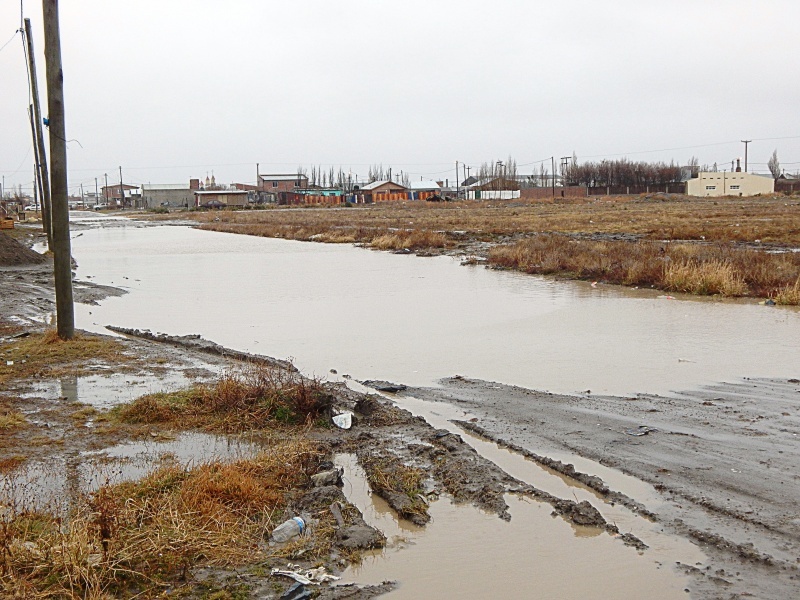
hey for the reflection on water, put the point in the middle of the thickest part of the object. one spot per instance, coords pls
(379, 315)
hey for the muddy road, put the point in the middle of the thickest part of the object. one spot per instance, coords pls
(721, 464)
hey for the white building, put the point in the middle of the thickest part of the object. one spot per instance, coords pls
(730, 184)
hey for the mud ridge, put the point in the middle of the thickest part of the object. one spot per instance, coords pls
(591, 481)
(196, 342)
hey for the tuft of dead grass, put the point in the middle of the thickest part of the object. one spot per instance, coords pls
(11, 420)
(258, 397)
(410, 240)
(788, 295)
(140, 537)
(704, 278)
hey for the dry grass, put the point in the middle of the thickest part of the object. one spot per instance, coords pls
(46, 355)
(789, 294)
(722, 269)
(11, 420)
(258, 397)
(410, 240)
(771, 219)
(704, 278)
(142, 537)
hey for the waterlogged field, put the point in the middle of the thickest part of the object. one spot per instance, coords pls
(624, 240)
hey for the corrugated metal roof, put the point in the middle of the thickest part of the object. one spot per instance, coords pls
(424, 186)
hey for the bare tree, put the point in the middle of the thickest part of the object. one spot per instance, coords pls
(774, 165)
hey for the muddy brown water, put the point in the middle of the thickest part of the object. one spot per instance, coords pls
(466, 553)
(378, 315)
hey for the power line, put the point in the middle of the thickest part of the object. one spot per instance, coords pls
(3, 47)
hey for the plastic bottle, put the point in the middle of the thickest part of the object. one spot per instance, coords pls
(288, 529)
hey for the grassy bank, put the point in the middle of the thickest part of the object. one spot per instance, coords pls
(703, 269)
(257, 397)
(139, 539)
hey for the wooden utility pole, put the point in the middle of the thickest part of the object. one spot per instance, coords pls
(65, 309)
(47, 209)
(121, 189)
(37, 174)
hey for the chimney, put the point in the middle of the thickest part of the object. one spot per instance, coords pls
(738, 165)
(194, 184)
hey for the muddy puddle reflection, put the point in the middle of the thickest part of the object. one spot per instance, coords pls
(107, 390)
(54, 483)
(466, 553)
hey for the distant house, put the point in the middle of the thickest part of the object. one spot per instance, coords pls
(383, 191)
(276, 183)
(736, 183)
(169, 194)
(423, 190)
(787, 184)
(113, 196)
(219, 198)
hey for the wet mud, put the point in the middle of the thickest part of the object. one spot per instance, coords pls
(722, 461)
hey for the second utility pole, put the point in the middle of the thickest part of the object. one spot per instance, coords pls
(37, 124)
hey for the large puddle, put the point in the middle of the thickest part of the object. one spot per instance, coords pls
(379, 315)
(466, 553)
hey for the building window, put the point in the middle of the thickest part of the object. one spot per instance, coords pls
(297, 183)
(711, 187)
(734, 187)
(274, 184)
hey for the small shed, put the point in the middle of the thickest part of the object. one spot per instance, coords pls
(220, 198)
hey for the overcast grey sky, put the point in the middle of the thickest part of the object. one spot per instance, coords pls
(172, 89)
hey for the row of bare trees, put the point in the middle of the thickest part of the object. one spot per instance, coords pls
(626, 172)
(503, 174)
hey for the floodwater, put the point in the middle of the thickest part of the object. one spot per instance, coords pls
(374, 315)
(414, 320)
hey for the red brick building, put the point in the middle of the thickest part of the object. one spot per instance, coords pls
(276, 183)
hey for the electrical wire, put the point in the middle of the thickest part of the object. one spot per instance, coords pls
(3, 47)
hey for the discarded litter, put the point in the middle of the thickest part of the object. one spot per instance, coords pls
(305, 576)
(288, 529)
(344, 420)
(641, 430)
